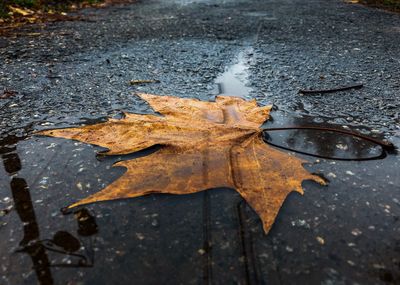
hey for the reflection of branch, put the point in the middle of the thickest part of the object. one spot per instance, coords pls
(41, 263)
(82, 262)
(384, 144)
(356, 86)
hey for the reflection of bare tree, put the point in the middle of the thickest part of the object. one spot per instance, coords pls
(24, 208)
(62, 242)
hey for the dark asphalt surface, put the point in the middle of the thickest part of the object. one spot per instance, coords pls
(70, 73)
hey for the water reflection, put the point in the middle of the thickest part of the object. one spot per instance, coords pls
(63, 243)
(324, 143)
(233, 81)
(304, 135)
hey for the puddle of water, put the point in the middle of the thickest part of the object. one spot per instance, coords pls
(320, 143)
(326, 144)
(63, 249)
(233, 82)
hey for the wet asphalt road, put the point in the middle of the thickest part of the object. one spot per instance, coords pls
(70, 73)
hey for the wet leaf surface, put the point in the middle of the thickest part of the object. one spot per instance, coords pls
(205, 145)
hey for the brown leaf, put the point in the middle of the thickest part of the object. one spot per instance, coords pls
(205, 145)
(21, 11)
(7, 94)
(143, 81)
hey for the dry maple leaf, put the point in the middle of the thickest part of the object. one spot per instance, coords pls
(205, 145)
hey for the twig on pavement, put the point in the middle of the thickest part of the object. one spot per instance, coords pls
(356, 86)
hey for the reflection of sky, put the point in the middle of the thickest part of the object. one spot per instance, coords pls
(233, 81)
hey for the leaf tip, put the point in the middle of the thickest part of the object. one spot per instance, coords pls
(65, 210)
(320, 178)
(267, 225)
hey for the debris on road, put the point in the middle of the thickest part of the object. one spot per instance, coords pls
(356, 86)
(7, 94)
(320, 240)
(144, 81)
(21, 11)
(14, 14)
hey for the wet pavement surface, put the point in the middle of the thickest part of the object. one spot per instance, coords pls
(74, 73)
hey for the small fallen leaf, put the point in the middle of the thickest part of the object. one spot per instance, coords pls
(23, 12)
(33, 34)
(137, 82)
(31, 19)
(7, 94)
(204, 145)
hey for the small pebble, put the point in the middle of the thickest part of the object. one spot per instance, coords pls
(154, 223)
(351, 262)
(289, 249)
(140, 236)
(320, 240)
(331, 174)
(79, 185)
(356, 232)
